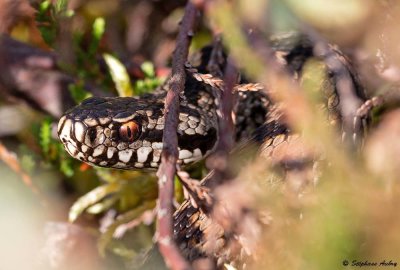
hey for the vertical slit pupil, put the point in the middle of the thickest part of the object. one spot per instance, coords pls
(128, 132)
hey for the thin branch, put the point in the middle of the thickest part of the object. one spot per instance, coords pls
(199, 194)
(227, 101)
(219, 160)
(169, 156)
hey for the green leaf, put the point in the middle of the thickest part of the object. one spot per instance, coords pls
(66, 162)
(66, 167)
(119, 75)
(107, 236)
(61, 6)
(97, 33)
(98, 28)
(44, 6)
(69, 13)
(107, 175)
(102, 206)
(179, 195)
(46, 22)
(148, 69)
(45, 136)
(91, 198)
(121, 250)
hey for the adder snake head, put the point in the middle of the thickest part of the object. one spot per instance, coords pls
(126, 133)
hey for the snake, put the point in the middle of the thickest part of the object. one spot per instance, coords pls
(126, 132)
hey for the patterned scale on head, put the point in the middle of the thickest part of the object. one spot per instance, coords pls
(126, 132)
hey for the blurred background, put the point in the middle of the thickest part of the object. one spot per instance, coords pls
(58, 213)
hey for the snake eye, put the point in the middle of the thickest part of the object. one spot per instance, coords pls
(129, 131)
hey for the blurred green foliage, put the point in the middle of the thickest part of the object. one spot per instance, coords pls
(47, 22)
(150, 82)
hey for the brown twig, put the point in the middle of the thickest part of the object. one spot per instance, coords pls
(227, 101)
(199, 194)
(169, 156)
(219, 160)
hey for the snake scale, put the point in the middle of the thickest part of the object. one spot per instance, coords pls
(126, 132)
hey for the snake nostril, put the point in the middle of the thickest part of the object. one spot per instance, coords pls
(92, 134)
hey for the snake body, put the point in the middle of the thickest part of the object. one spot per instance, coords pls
(126, 132)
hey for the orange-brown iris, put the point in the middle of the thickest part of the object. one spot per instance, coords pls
(129, 131)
